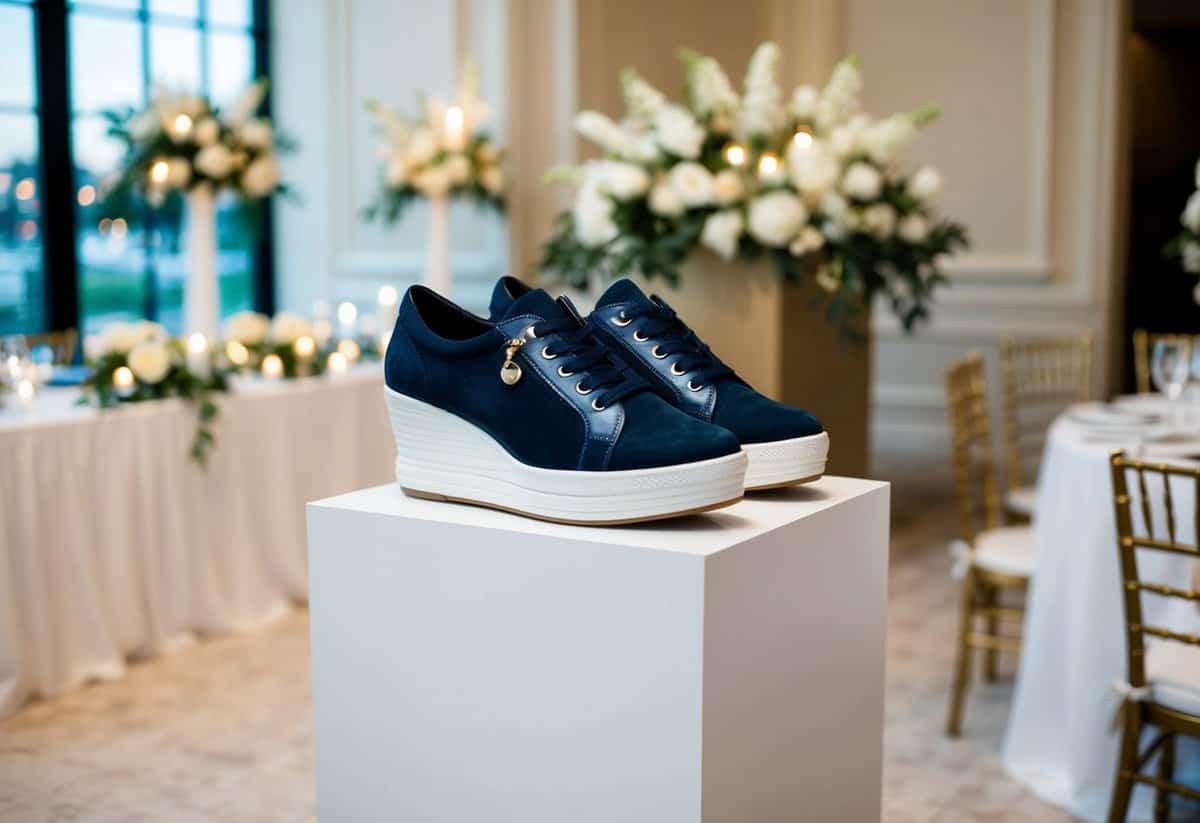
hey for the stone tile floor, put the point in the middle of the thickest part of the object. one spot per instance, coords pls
(222, 731)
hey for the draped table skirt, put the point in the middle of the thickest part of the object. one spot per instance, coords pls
(115, 545)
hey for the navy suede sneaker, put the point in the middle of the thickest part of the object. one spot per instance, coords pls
(532, 414)
(785, 445)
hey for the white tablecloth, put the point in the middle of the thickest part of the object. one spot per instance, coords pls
(114, 544)
(1061, 739)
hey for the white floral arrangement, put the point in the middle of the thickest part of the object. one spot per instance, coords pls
(811, 181)
(136, 362)
(1186, 244)
(445, 152)
(181, 142)
(289, 345)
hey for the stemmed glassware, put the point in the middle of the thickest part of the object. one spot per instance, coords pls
(14, 358)
(1170, 368)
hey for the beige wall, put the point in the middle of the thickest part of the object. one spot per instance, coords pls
(1028, 147)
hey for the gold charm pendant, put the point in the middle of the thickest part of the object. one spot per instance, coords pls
(510, 372)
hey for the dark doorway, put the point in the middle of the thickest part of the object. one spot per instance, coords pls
(1164, 61)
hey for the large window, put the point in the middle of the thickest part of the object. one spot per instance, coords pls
(94, 55)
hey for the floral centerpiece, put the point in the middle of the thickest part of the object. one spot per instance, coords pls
(290, 346)
(182, 144)
(1186, 244)
(134, 362)
(812, 182)
(443, 153)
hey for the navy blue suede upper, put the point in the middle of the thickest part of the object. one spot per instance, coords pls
(451, 359)
(707, 389)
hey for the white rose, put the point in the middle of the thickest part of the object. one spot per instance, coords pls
(492, 179)
(215, 161)
(693, 183)
(1191, 213)
(150, 361)
(665, 201)
(262, 176)
(247, 327)
(862, 182)
(776, 217)
(433, 181)
(623, 181)
(592, 212)
(677, 132)
(148, 330)
(721, 232)
(207, 132)
(287, 327)
(808, 240)
(925, 183)
(179, 173)
(913, 229)
(727, 187)
(812, 168)
(880, 220)
(119, 338)
(256, 134)
(458, 168)
(422, 146)
(1191, 257)
(804, 102)
(833, 205)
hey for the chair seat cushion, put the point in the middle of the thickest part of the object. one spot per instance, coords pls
(1173, 671)
(1021, 500)
(1007, 550)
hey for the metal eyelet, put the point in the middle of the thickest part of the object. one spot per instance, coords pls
(621, 320)
(678, 372)
(564, 373)
(529, 333)
(638, 336)
(656, 354)
(596, 405)
(547, 354)
(579, 389)
(693, 387)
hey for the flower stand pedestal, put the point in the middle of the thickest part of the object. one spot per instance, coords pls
(473, 665)
(774, 338)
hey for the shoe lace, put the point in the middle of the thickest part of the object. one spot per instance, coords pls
(581, 353)
(658, 320)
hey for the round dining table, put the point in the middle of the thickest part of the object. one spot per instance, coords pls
(1062, 738)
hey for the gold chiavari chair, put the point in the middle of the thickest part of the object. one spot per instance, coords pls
(997, 558)
(1143, 349)
(1039, 378)
(1163, 688)
(62, 343)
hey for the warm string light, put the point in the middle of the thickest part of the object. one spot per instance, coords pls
(304, 347)
(735, 155)
(197, 343)
(25, 391)
(768, 167)
(183, 124)
(347, 316)
(159, 171)
(454, 127)
(336, 362)
(123, 381)
(350, 350)
(272, 367)
(802, 138)
(238, 354)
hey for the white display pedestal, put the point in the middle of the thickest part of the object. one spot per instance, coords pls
(471, 665)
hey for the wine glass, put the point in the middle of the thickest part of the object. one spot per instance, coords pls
(1169, 369)
(14, 358)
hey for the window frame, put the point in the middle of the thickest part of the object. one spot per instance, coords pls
(59, 224)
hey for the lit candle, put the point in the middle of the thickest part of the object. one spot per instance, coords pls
(803, 138)
(183, 125)
(304, 347)
(350, 350)
(238, 354)
(735, 155)
(454, 128)
(347, 316)
(272, 367)
(337, 362)
(159, 170)
(769, 168)
(123, 381)
(25, 392)
(197, 355)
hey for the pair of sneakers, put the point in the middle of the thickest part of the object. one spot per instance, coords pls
(622, 417)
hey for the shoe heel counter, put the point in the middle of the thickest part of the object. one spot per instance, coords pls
(403, 367)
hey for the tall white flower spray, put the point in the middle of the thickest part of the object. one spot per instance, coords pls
(809, 180)
(1186, 244)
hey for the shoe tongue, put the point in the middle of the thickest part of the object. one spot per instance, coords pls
(622, 291)
(538, 303)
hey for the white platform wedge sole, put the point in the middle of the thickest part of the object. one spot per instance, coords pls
(786, 462)
(440, 456)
